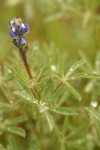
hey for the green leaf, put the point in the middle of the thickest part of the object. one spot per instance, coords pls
(4, 105)
(47, 87)
(17, 120)
(20, 73)
(26, 96)
(61, 65)
(85, 75)
(50, 120)
(40, 73)
(65, 111)
(73, 68)
(73, 91)
(14, 143)
(94, 113)
(85, 58)
(90, 85)
(18, 131)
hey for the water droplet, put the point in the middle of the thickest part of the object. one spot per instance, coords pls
(71, 69)
(43, 103)
(94, 104)
(53, 68)
(9, 71)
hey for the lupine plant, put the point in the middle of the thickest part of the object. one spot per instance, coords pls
(48, 99)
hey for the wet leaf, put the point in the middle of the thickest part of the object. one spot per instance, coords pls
(50, 120)
(18, 131)
(73, 91)
(65, 111)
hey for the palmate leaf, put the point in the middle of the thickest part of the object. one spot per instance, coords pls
(25, 93)
(25, 88)
(73, 91)
(65, 111)
(18, 131)
(50, 120)
(94, 113)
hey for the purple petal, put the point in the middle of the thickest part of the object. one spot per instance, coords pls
(26, 29)
(27, 26)
(16, 32)
(21, 41)
(13, 34)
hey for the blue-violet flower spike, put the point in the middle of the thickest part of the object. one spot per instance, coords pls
(17, 32)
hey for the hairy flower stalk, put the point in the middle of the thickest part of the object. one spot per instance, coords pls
(17, 32)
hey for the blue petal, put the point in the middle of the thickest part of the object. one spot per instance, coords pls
(21, 40)
(13, 34)
(27, 26)
(16, 32)
(26, 29)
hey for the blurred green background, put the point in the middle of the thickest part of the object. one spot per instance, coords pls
(72, 25)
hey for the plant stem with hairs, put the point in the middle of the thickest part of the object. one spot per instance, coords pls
(58, 86)
(27, 67)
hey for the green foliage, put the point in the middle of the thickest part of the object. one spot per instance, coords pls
(50, 120)
(59, 108)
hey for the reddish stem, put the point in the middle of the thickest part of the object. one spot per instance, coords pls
(57, 87)
(23, 55)
(24, 59)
